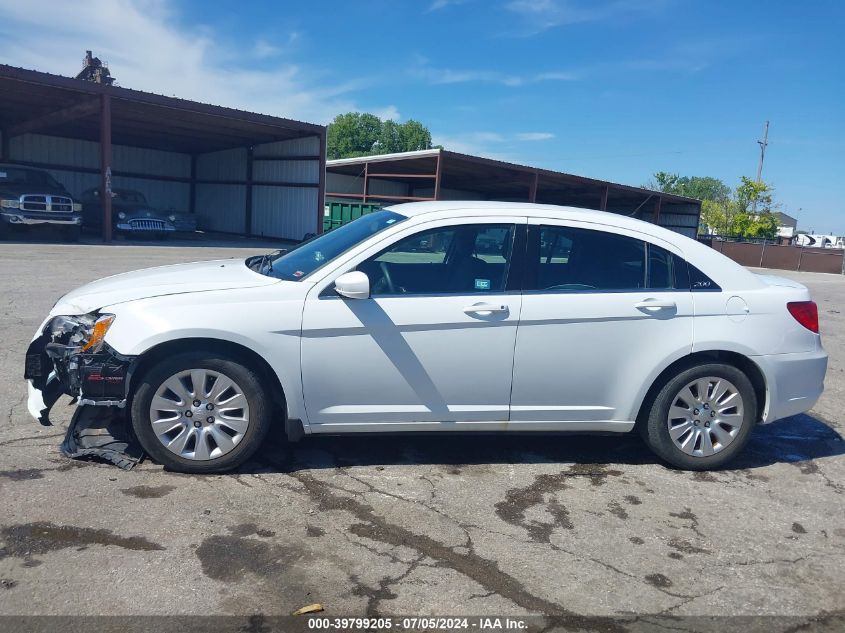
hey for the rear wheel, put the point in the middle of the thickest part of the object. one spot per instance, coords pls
(197, 413)
(702, 417)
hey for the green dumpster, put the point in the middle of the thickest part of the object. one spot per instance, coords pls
(339, 213)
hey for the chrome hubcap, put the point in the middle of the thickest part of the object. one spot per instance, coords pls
(705, 416)
(199, 414)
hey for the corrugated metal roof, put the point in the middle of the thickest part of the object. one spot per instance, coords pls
(141, 119)
(468, 160)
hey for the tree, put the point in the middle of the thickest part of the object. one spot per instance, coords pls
(743, 212)
(715, 217)
(352, 134)
(764, 225)
(750, 192)
(415, 136)
(700, 187)
(362, 134)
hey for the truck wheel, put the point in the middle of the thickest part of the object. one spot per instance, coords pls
(199, 413)
(702, 417)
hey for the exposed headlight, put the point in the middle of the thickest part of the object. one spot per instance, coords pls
(121, 215)
(10, 204)
(77, 207)
(172, 218)
(84, 333)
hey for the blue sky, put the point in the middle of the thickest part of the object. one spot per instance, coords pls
(613, 89)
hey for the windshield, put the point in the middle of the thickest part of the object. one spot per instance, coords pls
(319, 251)
(30, 177)
(128, 196)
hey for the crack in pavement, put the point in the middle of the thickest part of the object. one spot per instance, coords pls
(483, 571)
(375, 596)
(811, 467)
(31, 437)
(14, 406)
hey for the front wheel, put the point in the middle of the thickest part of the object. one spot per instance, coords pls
(702, 417)
(197, 413)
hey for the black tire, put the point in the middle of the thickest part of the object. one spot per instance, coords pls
(260, 411)
(655, 429)
(71, 233)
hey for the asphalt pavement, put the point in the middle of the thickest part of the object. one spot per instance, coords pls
(567, 525)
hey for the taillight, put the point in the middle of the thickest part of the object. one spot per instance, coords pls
(806, 313)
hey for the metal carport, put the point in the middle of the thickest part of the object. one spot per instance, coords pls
(240, 172)
(444, 175)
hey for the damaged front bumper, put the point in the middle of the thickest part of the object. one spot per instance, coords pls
(53, 369)
(99, 382)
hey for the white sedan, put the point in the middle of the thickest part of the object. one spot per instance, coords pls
(441, 316)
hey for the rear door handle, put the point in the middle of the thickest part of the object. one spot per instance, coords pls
(655, 304)
(485, 308)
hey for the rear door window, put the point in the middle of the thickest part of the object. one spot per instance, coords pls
(575, 259)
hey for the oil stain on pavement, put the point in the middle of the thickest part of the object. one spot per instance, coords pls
(34, 539)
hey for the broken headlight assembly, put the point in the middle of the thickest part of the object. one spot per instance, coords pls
(84, 364)
(83, 334)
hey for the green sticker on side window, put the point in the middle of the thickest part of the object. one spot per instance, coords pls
(482, 284)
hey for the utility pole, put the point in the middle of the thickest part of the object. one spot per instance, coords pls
(762, 145)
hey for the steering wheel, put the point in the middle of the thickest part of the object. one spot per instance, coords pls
(385, 273)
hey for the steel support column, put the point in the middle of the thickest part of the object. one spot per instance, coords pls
(532, 188)
(437, 175)
(248, 197)
(105, 165)
(321, 192)
(192, 208)
(366, 182)
(604, 195)
(658, 203)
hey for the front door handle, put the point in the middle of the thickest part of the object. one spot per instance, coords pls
(656, 304)
(483, 309)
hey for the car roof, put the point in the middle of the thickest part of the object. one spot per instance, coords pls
(414, 209)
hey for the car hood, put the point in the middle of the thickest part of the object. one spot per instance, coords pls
(131, 207)
(222, 274)
(16, 190)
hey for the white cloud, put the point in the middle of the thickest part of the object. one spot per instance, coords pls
(451, 76)
(264, 49)
(390, 112)
(500, 146)
(539, 15)
(442, 4)
(147, 50)
(535, 136)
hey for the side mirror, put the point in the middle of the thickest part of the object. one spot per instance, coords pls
(353, 285)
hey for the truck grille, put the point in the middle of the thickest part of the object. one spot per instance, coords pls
(32, 202)
(146, 225)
